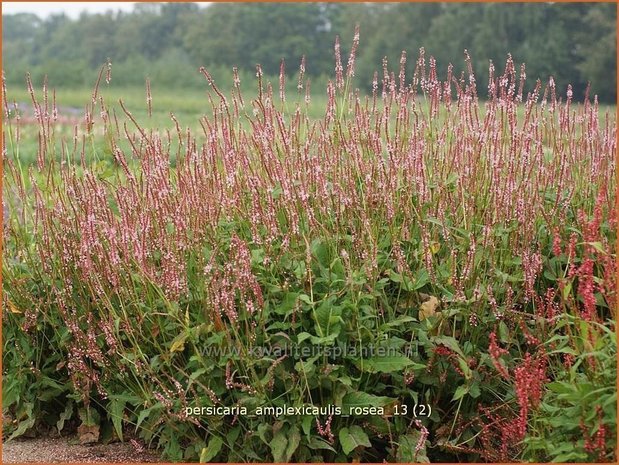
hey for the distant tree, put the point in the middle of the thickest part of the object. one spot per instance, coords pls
(596, 52)
(453, 31)
(575, 43)
(246, 34)
(394, 28)
(21, 27)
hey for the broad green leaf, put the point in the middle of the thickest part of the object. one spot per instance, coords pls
(464, 366)
(460, 392)
(353, 437)
(116, 410)
(211, 450)
(323, 316)
(23, 426)
(474, 390)
(233, 434)
(178, 344)
(302, 337)
(294, 438)
(597, 246)
(395, 277)
(560, 387)
(64, 416)
(570, 457)
(407, 449)
(144, 414)
(320, 251)
(306, 425)
(398, 321)
(421, 279)
(390, 364)
(338, 268)
(327, 340)
(363, 399)
(316, 443)
(89, 416)
(278, 446)
(262, 431)
(11, 391)
(287, 304)
(503, 332)
(449, 342)
(566, 290)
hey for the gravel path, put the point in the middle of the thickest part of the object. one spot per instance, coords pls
(62, 450)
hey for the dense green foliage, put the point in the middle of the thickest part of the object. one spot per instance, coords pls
(574, 42)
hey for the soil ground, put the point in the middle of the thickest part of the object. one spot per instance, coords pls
(65, 450)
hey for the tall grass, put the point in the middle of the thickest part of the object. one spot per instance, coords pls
(472, 239)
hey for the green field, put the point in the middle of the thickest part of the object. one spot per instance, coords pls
(187, 105)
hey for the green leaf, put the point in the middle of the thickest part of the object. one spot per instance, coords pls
(503, 332)
(233, 434)
(194, 375)
(116, 411)
(597, 246)
(89, 416)
(306, 425)
(278, 446)
(451, 179)
(320, 251)
(449, 342)
(287, 304)
(363, 399)
(566, 290)
(328, 340)
(570, 457)
(421, 279)
(464, 366)
(64, 416)
(391, 364)
(24, 426)
(178, 344)
(353, 437)
(302, 337)
(11, 391)
(550, 275)
(294, 439)
(397, 322)
(324, 317)
(407, 450)
(460, 392)
(316, 443)
(338, 268)
(262, 431)
(474, 390)
(560, 387)
(395, 277)
(209, 452)
(146, 412)
(173, 449)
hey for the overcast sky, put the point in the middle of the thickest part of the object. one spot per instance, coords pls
(72, 9)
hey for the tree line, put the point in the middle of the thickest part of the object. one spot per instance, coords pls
(575, 43)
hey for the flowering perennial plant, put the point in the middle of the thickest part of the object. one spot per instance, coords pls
(128, 253)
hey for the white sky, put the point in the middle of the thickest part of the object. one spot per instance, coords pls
(71, 9)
